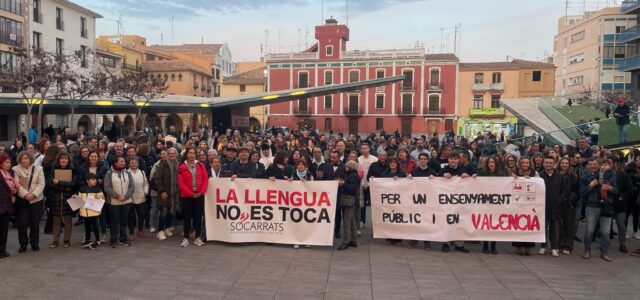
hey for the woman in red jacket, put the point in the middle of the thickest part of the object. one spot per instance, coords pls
(192, 180)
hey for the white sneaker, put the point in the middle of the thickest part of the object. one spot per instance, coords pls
(185, 243)
(361, 225)
(168, 232)
(636, 235)
(628, 235)
(161, 236)
(358, 233)
(542, 251)
(198, 242)
(296, 246)
(566, 252)
(152, 230)
(554, 252)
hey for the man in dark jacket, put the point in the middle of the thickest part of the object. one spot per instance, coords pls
(166, 183)
(335, 171)
(243, 167)
(621, 113)
(349, 186)
(590, 194)
(377, 168)
(556, 194)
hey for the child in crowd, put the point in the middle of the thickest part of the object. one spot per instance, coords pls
(90, 189)
(607, 176)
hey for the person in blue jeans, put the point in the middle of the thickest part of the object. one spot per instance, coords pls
(590, 193)
(622, 115)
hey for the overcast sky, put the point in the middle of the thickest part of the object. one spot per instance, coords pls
(491, 29)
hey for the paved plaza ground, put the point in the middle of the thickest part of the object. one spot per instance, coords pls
(161, 270)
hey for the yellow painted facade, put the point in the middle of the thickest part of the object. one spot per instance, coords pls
(258, 116)
(132, 58)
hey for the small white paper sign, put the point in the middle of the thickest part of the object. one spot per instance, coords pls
(93, 203)
(75, 203)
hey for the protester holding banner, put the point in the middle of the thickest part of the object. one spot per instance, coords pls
(454, 169)
(301, 174)
(422, 170)
(60, 188)
(335, 170)
(29, 204)
(556, 194)
(492, 168)
(525, 169)
(193, 180)
(349, 187)
(280, 169)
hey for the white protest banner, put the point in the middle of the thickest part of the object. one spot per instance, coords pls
(465, 209)
(260, 210)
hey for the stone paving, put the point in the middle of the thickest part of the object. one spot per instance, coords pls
(161, 270)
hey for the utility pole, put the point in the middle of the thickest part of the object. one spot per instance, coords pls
(441, 40)
(322, 12)
(171, 19)
(455, 39)
(347, 13)
(266, 43)
(298, 39)
(459, 40)
(566, 12)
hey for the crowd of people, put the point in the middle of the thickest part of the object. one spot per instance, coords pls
(152, 183)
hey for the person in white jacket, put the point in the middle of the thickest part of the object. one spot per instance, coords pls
(29, 201)
(119, 187)
(139, 208)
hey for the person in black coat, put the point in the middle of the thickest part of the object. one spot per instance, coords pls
(349, 187)
(335, 170)
(8, 191)
(557, 192)
(625, 194)
(58, 193)
(279, 169)
(454, 169)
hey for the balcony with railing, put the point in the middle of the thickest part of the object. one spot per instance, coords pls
(11, 39)
(406, 111)
(384, 54)
(131, 67)
(353, 111)
(629, 35)
(488, 87)
(292, 56)
(630, 7)
(302, 111)
(433, 86)
(629, 64)
(434, 110)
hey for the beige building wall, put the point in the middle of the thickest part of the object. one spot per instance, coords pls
(246, 66)
(466, 93)
(579, 51)
(529, 88)
(256, 112)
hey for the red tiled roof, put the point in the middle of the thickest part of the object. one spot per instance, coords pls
(255, 76)
(515, 64)
(441, 57)
(172, 65)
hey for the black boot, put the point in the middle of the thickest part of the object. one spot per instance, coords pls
(343, 246)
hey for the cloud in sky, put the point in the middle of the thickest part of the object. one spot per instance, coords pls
(196, 8)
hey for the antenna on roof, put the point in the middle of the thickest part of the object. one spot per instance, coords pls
(322, 12)
(347, 13)
(171, 19)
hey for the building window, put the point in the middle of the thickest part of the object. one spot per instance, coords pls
(448, 124)
(59, 21)
(243, 88)
(179, 77)
(578, 36)
(379, 124)
(434, 77)
(477, 101)
(407, 104)
(576, 59)
(328, 77)
(379, 74)
(83, 56)
(303, 80)
(328, 102)
(496, 77)
(13, 6)
(354, 76)
(59, 47)
(10, 32)
(618, 78)
(620, 29)
(537, 76)
(575, 80)
(379, 101)
(329, 50)
(327, 124)
(37, 38)
(83, 28)
(479, 78)
(495, 101)
(37, 14)
(434, 104)
(407, 82)
(173, 77)
(61, 120)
